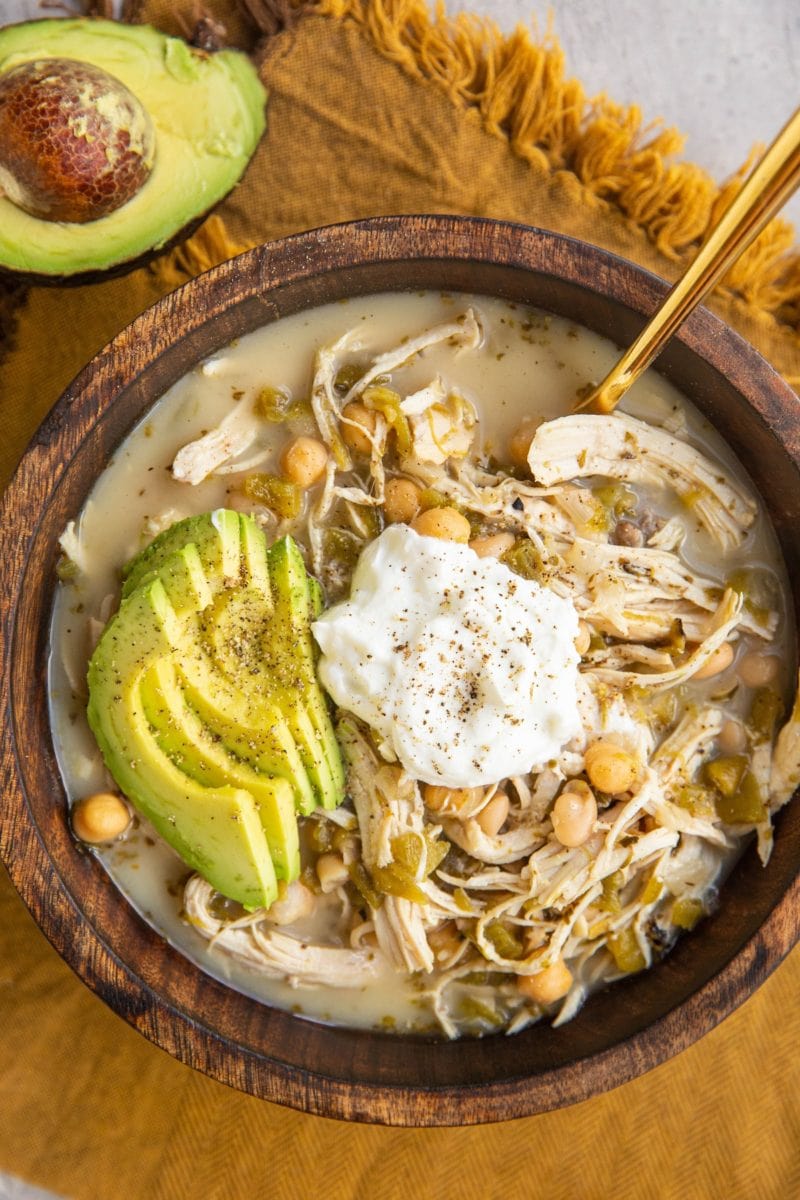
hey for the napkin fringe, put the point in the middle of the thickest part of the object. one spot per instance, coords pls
(519, 89)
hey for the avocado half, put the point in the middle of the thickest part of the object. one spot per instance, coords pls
(207, 110)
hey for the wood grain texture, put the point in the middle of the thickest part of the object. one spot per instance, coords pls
(353, 1074)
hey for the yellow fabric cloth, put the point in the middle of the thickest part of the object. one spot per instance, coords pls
(371, 115)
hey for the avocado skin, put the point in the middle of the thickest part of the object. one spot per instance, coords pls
(79, 278)
(210, 657)
(163, 214)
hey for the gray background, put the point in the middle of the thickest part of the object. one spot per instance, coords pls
(725, 72)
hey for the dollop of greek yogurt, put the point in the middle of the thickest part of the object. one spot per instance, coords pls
(467, 672)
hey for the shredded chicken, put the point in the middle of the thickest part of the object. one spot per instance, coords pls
(624, 590)
(498, 849)
(464, 333)
(324, 402)
(73, 547)
(620, 447)
(442, 423)
(199, 459)
(721, 626)
(680, 754)
(516, 899)
(253, 941)
(388, 805)
(785, 776)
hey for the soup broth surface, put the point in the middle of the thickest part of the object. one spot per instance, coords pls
(529, 363)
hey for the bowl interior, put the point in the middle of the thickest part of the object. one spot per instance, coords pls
(338, 1072)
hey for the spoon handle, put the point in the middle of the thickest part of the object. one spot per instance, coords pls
(765, 191)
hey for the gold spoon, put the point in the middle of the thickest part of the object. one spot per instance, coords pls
(765, 191)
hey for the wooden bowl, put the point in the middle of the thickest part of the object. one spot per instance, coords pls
(365, 1076)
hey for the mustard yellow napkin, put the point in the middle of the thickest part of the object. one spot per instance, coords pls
(376, 108)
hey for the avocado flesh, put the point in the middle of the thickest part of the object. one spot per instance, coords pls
(269, 681)
(186, 662)
(216, 830)
(216, 537)
(216, 551)
(298, 601)
(316, 600)
(233, 697)
(187, 742)
(271, 675)
(261, 737)
(208, 114)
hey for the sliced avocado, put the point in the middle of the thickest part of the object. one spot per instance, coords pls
(221, 662)
(208, 667)
(207, 112)
(185, 581)
(266, 658)
(316, 598)
(216, 830)
(292, 660)
(216, 536)
(260, 737)
(219, 655)
(194, 750)
(254, 556)
(236, 643)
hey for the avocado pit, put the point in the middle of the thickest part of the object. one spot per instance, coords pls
(75, 143)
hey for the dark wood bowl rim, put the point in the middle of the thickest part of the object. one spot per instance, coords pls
(129, 988)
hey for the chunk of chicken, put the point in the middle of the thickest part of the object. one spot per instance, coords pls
(388, 805)
(637, 593)
(72, 546)
(722, 625)
(442, 423)
(785, 777)
(620, 447)
(200, 458)
(679, 755)
(324, 402)
(464, 333)
(277, 954)
(502, 847)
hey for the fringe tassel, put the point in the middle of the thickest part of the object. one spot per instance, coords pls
(519, 88)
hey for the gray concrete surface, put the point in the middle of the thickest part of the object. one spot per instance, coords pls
(724, 72)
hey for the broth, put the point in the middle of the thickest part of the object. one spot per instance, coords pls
(529, 362)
